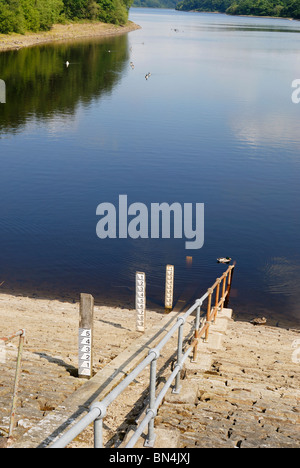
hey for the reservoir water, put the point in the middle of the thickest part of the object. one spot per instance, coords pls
(213, 124)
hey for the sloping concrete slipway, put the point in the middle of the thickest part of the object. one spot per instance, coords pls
(243, 391)
(78, 403)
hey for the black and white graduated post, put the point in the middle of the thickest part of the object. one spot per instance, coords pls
(85, 336)
(140, 300)
(169, 292)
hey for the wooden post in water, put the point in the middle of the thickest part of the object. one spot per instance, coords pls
(140, 300)
(169, 290)
(85, 336)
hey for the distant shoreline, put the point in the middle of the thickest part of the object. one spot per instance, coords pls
(241, 16)
(64, 32)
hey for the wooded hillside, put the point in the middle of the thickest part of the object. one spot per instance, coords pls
(277, 8)
(36, 15)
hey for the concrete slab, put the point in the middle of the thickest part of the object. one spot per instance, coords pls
(77, 405)
(203, 363)
(166, 438)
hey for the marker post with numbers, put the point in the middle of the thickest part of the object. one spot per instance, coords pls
(169, 292)
(140, 300)
(85, 337)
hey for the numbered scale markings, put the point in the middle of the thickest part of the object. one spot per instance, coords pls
(140, 300)
(85, 352)
(169, 286)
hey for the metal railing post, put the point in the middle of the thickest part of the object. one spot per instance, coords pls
(179, 354)
(210, 292)
(153, 366)
(217, 301)
(197, 326)
(223, 292)
(98, 423)
(98, 433)
(198, 315)
(231, 272)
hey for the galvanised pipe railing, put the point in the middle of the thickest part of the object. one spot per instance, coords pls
(98, 410)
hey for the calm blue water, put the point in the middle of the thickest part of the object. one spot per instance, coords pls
(214, 124)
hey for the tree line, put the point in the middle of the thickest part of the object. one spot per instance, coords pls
(277, 8)
(155, 3)
(20, 16)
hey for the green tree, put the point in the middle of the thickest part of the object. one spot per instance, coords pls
(34, 15)
(284, 8)
(28, 15)
(75, 9)
(93, 10)
(292, 9)
(11, 17)
(49, 12)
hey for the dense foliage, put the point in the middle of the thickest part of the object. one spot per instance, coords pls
(282, 8)
(109, 11)
(36, 15)
(155, 3)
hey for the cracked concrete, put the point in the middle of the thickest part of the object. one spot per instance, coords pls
(247, 398)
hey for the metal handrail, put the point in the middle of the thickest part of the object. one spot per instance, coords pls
(98, 410)
(15, 335)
